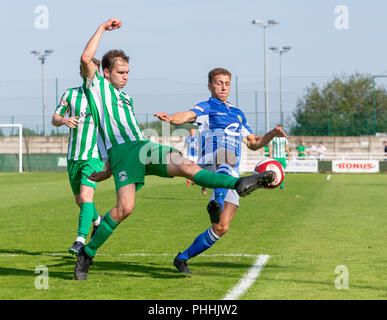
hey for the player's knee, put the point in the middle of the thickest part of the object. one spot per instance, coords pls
(221, 229)
(84, 197)
(124, 210)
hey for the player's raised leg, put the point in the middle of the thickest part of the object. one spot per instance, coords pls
(177, 165)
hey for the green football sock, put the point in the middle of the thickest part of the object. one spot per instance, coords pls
(95, 215)
(104, 231)
(214, 180)
(85, 219)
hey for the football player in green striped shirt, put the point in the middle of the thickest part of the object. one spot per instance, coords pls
(279, 150)
(83, 157)
(130, 154)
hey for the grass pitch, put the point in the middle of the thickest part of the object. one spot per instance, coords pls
(308, 229)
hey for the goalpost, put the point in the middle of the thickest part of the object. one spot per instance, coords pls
(20, 142)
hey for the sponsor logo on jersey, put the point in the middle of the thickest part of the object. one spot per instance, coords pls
(232, 129)
(198, 108)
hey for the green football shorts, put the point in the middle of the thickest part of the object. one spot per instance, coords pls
(77, 171)
(132, 161)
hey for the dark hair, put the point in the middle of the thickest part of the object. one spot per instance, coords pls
(95, 61)
(217, 71)
(110, 57)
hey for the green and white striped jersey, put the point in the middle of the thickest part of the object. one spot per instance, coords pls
(113, 112)
(83, 139)
(278, 144)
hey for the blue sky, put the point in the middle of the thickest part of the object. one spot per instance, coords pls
(174, 43)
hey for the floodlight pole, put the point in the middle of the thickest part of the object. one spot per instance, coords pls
(42, 58)
(281, 52)
(266, 90)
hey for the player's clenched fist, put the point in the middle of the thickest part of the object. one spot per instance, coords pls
(112, 24)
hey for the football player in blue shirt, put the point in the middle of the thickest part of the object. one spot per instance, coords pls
(222, 127)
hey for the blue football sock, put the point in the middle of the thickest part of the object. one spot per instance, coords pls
(220, 194)
(203, 242)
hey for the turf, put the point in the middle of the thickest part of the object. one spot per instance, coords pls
(308, 229)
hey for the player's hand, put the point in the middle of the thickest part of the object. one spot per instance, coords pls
(112, 24)
(71, 122)
(99, 176)
(163, 116)
(278, 132)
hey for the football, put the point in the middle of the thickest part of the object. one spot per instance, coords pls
(271, 165)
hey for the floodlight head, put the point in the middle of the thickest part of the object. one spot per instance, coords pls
(35, 52)
(275, 49)
(257, 22)
(286, 48)
(48, 51)
(272, 22)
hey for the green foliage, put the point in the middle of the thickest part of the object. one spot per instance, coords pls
(342, 107)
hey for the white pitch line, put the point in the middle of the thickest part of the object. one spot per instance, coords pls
(247, 280)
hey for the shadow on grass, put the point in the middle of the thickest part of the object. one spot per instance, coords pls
(62, 267)
(24, 252)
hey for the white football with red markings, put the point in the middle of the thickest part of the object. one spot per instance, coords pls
(271, 165)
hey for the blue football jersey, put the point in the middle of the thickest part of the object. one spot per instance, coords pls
(192, 144)
(220, 127)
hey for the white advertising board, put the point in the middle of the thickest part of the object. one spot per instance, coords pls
(302, 166)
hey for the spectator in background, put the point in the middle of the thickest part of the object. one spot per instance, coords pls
(321, 149)
(311, 151)
(279, 150)
(301, 150)
(265, 151)
(385, 150)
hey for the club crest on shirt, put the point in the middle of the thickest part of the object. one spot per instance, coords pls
(240, 118)
(122, 176)
(123, 102)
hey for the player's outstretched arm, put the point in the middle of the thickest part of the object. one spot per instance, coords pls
(177, 118)
(256, 142)
(88, 67)
(70, 122)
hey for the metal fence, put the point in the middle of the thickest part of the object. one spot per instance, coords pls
(21, 101)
